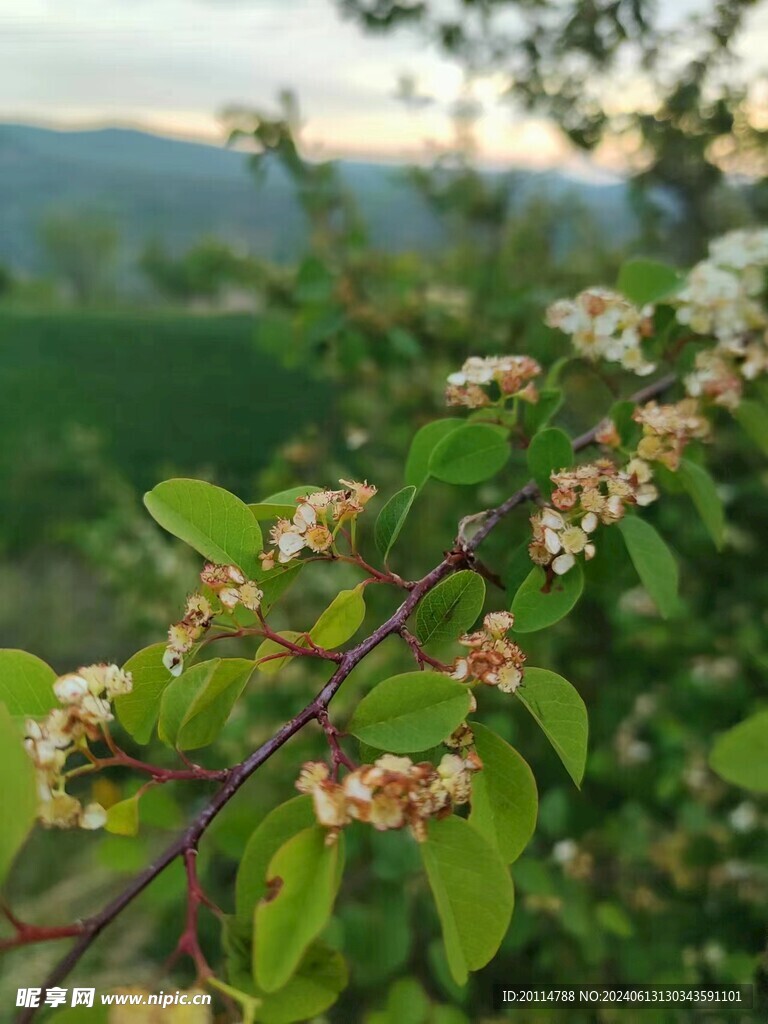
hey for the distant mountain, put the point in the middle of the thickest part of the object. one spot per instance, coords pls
(155, 187)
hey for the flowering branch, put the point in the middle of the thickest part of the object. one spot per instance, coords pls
(461, 555)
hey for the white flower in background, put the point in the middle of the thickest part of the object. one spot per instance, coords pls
(603, 324)
(505, 376)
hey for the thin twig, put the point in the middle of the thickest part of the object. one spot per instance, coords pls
(460, 555)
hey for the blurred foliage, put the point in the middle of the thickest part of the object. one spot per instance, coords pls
(657, 870)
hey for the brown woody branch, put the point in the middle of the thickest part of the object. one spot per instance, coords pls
(461, 554)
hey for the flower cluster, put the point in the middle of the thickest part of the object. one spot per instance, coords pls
(721, 293)
(390, 793)
(85, 697)
(604, 325)
(183, 635)
(511, 376)
(316, 521)
(585, 496)
(493, 659)
(667, 429)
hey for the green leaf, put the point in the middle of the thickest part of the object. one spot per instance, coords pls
(211, 520)
(340, 620)
(138, 710)
(549, 451)
(504, 797)
(282, 504)
(647, 281)
(407, 1003)
(537, 604)
(391, 520)
(197, 704)
(275, 582)
(753, 418)
(303, 877)
(422, 446)
(537, 415)
(123, 817)
(561, 713)
(275, 829)
(467, 456)
(26, 684)
(269, 647)
(18, 807)
(703, 492)
(654, 562)
(472, 891)
(319, 980)
(410, 712)
(451, 608)
(740, 755)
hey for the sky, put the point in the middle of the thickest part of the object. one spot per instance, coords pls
(172, 65)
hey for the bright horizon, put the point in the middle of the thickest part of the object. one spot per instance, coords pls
(171, 67)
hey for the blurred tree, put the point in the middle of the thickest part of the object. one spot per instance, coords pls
(697, 120)
(204, 271)
(82, 249)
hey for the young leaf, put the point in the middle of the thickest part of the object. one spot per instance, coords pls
(472, 891)
(303, 878)
(504, 797)
(318, 982)
(654, 562)
(138, 710)
(275, 829)
(197, 704)
(561, 713)
(340, 620)
(538, 414)
(211, 520)
(753, 418)
(410, 712)
(424, 441)
(740, 755)
(451, 608)
(281, 505)
(647, 281)
(549, 451)
(26, 684)
(467, 456)
(701, 488)
(391, 520)
(537, 604)
(18, 808)
(123, 817)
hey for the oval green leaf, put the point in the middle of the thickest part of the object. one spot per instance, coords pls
(18, 808)
(138, 710)
(504, 796)
(451, 608)
(422, 446)
(703, 492)
(537, 604)
(467, 456)
(211, 520)
(645, 281)
(549, 451)
(275, 829)
(654, 562)
(561, 713)
(740, 755)
(392, 519)
(197, 704)
(410, 712)
(319, 980)
(340, 620)
(303, 878)
(26, 684)
(472, 891)
(123, 817)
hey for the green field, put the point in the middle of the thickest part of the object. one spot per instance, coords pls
(158, 392)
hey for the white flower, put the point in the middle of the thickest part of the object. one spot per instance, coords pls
(71, 689)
